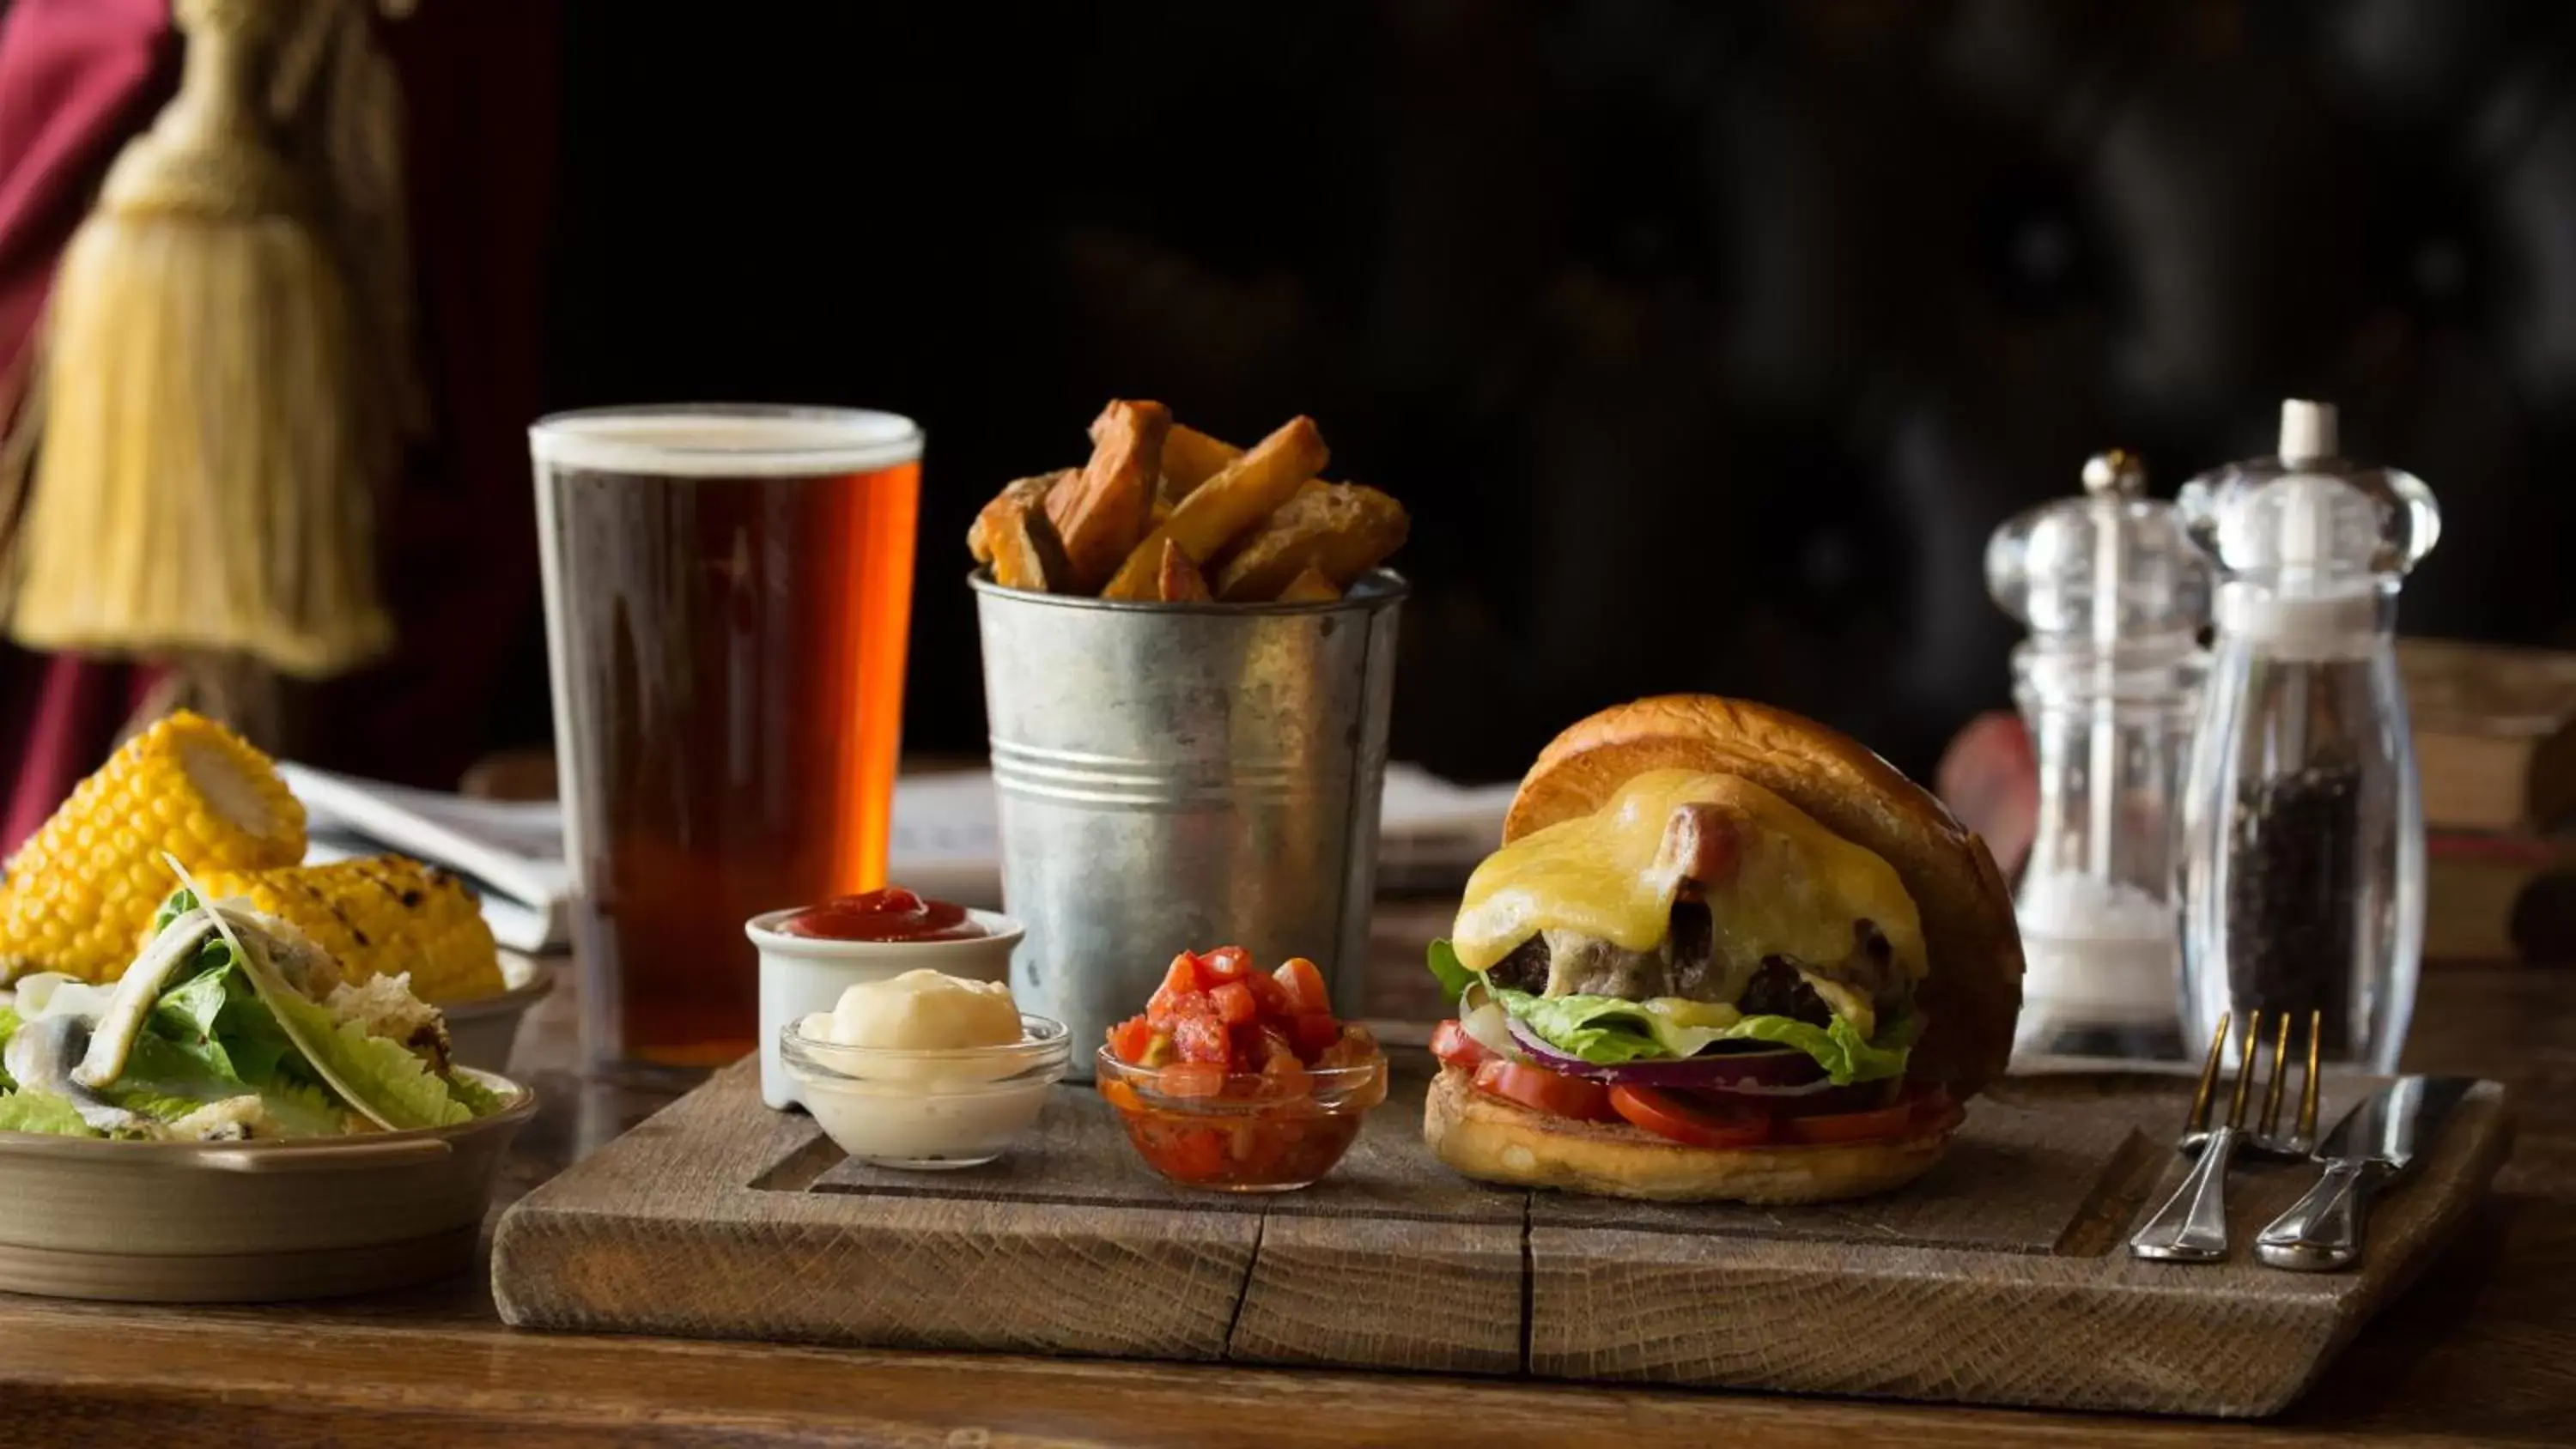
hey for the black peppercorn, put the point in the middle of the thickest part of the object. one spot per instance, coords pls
(2292, 857)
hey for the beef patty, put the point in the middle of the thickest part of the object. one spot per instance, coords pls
(1683, 965)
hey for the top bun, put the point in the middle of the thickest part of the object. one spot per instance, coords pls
(1973, 992)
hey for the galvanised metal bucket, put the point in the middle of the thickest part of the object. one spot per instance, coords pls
(1175, 777)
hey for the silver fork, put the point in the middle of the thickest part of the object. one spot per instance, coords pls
(2192, 1225)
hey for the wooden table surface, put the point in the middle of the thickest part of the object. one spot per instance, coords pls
(2481, 1352)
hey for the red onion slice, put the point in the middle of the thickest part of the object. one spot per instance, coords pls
(1777, 1072)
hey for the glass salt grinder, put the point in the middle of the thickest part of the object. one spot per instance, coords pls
(2108, 681)
(2303, 854)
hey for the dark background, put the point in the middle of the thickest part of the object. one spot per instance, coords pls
(1706, 342)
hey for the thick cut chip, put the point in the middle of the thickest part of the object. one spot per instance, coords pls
(1227, 506)
(1309, 587)
(1178, 581)
(1341, 532)
(1100, 514)
(1190, 458)
(1019, 494)
(1027, 554)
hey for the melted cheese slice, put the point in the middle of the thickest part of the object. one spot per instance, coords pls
(1799, 892)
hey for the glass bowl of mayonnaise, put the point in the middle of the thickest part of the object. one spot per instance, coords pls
(924, 1070)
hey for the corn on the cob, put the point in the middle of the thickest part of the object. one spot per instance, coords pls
(381, 915)
(81, 892)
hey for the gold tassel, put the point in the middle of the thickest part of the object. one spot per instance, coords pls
(211, 451)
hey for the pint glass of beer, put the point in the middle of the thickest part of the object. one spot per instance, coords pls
(727, 595)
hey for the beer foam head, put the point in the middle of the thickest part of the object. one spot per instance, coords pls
(724, 439)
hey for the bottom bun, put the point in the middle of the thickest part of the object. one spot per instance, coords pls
(1495, 1141)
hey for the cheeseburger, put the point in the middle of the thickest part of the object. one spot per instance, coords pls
(1724, 954)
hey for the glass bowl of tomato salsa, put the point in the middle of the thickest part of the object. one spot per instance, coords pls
(1238, 1080)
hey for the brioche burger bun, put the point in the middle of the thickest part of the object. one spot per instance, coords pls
(1725, 954)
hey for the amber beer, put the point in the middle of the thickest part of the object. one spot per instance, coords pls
(728, 591)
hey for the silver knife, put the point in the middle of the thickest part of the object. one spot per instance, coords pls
(2374, 1144)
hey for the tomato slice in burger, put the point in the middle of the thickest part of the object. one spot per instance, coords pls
(1693, 1123)
(1453, 1047)
(1541, 1090)
(1881, 1124)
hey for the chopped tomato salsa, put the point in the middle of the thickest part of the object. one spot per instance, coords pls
(1239, 1078)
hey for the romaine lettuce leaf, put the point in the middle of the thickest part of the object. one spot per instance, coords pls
(217, 1015)
(301, 1109)
(180, 903)
(193, 1004)
(480, 1100)
(166, 1080)
(1605, 1031)
(28, 1111)
(400, 1088)
(1845, 1054)
(1454, 977)
(160, 1071)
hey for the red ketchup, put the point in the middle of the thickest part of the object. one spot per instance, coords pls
(892, 914)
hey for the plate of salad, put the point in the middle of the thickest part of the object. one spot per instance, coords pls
(232, 1118)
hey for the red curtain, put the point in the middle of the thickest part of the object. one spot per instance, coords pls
(77, 77)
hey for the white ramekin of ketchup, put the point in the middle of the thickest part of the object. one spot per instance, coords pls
(809, 955)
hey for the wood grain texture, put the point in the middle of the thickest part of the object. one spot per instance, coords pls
(442, 1384)
(1392, 1262)
(667, 1230)
(1384, 1293)
(1996, 1279)
(1907, 1317)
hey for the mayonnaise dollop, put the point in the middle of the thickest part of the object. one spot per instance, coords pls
(920, 1010)
(925, 1070)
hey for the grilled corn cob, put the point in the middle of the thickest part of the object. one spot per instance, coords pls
(81, 892)
(381, 915)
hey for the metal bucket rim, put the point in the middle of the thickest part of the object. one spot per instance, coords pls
(1370, 592)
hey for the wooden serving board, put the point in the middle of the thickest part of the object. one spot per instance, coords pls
(2001, 1277)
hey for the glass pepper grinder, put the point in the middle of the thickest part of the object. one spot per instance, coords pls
(2108, 681)
(2303, 856)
